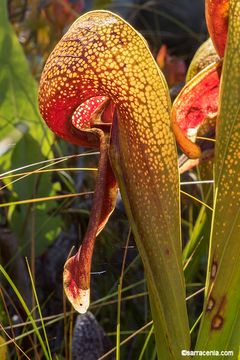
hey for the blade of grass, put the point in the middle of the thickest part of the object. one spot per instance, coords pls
(18, 348)
(71, 333)
(118, 337)
(31, 173)
(196, 323)
(142, 329)
(126, 340)
(27, 311)
(53, 161)
(196, 199)
(29, 332)
(38, 308)
(129, 287)
(146, 343)
(118, 331)
(36, 200)
(9, 320)
(47, 171)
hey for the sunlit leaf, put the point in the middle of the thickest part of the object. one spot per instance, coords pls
(220, 327)
(18, 91)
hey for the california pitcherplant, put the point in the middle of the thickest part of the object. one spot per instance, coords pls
(102, 88)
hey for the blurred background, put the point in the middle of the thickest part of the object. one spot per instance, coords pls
(46, 231)
(177, 25)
